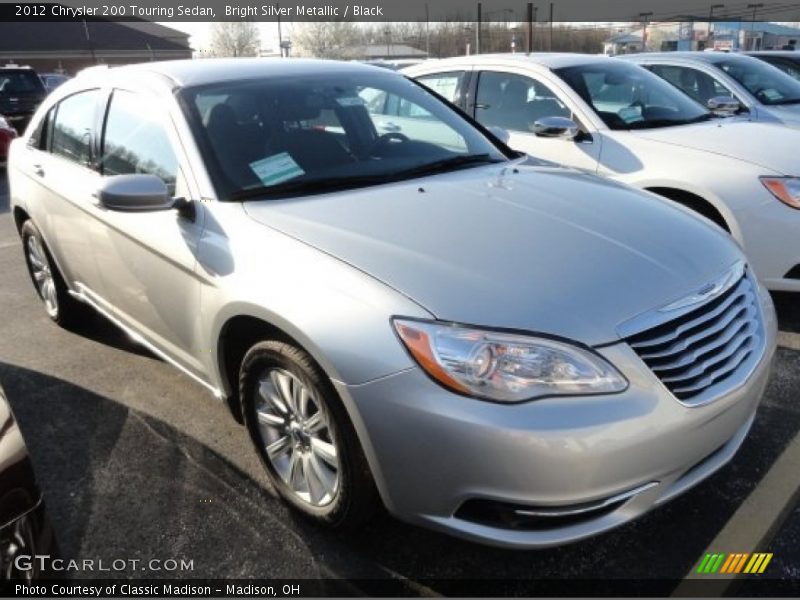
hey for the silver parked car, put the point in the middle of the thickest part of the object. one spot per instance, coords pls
(499, 348)
(763, 92)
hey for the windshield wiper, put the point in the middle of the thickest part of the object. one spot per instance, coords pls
(447, 164)
(669, 122)
(329, 184)
(785, 101)
(307, 186)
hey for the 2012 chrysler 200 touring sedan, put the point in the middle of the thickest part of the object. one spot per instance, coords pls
(511, 351)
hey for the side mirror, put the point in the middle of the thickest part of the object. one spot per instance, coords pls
(556, 127)
(723, 105)
(134, 193)
(500, 133)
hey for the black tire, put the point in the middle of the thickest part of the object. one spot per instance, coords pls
(355, 498)
(59, 305)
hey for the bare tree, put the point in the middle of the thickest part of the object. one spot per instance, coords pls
(326, 39)
(237, 38)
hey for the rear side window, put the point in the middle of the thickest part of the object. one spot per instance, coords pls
(135, 141)
(73, 127)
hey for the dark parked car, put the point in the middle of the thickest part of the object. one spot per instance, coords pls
(25, 530)
(52, 80)
(787, 61)
(21, 92)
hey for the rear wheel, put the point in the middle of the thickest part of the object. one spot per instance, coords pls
(304, 436)
(59, 305)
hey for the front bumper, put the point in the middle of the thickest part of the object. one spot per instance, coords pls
(769, 233)
(432, 451)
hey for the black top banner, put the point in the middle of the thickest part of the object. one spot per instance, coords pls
(395, 11)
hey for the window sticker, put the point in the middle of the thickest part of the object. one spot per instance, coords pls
(347, 101)
(276, 169)
(631, 114)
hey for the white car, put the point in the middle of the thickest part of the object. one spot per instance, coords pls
(616, 119)
(764, 93)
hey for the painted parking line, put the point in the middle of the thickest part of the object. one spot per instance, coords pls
(750, 529)
(789, 340)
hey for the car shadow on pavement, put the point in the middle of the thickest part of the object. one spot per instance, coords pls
(120, 484)
(96, 327)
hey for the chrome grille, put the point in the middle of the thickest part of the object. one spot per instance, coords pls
(706, 345)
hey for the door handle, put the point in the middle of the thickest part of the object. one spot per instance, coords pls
(38, 170)
(390, 127)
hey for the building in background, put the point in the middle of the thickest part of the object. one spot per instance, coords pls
(625, 42)
(68, 47)
(384, 52)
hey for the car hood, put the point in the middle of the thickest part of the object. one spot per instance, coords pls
(772, 146)
(541, 249)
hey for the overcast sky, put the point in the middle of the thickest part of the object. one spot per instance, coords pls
(201, 33)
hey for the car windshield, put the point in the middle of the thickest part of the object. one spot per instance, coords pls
(769, 85)
(626, 96)
(295, 135)
(790, 66)
(20, 82)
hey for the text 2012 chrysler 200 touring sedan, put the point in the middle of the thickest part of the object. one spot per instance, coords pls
(502, 349)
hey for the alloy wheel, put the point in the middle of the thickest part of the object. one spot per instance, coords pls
(42, 274)
(298, 437)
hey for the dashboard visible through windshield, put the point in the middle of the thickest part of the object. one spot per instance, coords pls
(625, 96)
(310, 134)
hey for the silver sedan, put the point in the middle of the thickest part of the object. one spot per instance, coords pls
(399, 308)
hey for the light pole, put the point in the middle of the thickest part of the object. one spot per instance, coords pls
(644, 16)
(755, 7)
(711, 19)
(388, 33)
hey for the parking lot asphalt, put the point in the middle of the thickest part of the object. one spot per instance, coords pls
(138, 462)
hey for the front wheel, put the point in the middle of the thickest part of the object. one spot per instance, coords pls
(304, 436)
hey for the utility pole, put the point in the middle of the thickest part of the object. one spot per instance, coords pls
(755, 7)
(645, 16)
(711, 18)
(280, 37)
(427, 31)
(478, 31)
(550, 46)
(530, 27)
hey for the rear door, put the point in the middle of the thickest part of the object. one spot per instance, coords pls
(59, 180)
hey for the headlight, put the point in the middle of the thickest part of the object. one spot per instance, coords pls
(785, 189)
(505, 367)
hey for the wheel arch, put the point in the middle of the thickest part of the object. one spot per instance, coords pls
(238, 332)
(697, 203)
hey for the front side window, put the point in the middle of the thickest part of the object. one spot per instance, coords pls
(447, 85)
(73, 129)
(700, 86)
(625, 96)
(787, 65)
(302, 134)
(515, 102)
(769, 85)
(135, 140)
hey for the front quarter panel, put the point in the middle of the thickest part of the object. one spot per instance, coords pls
(338, 314)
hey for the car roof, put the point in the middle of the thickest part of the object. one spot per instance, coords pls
(550, 60)
(782, 53)
(185, 73)
(706, 57)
